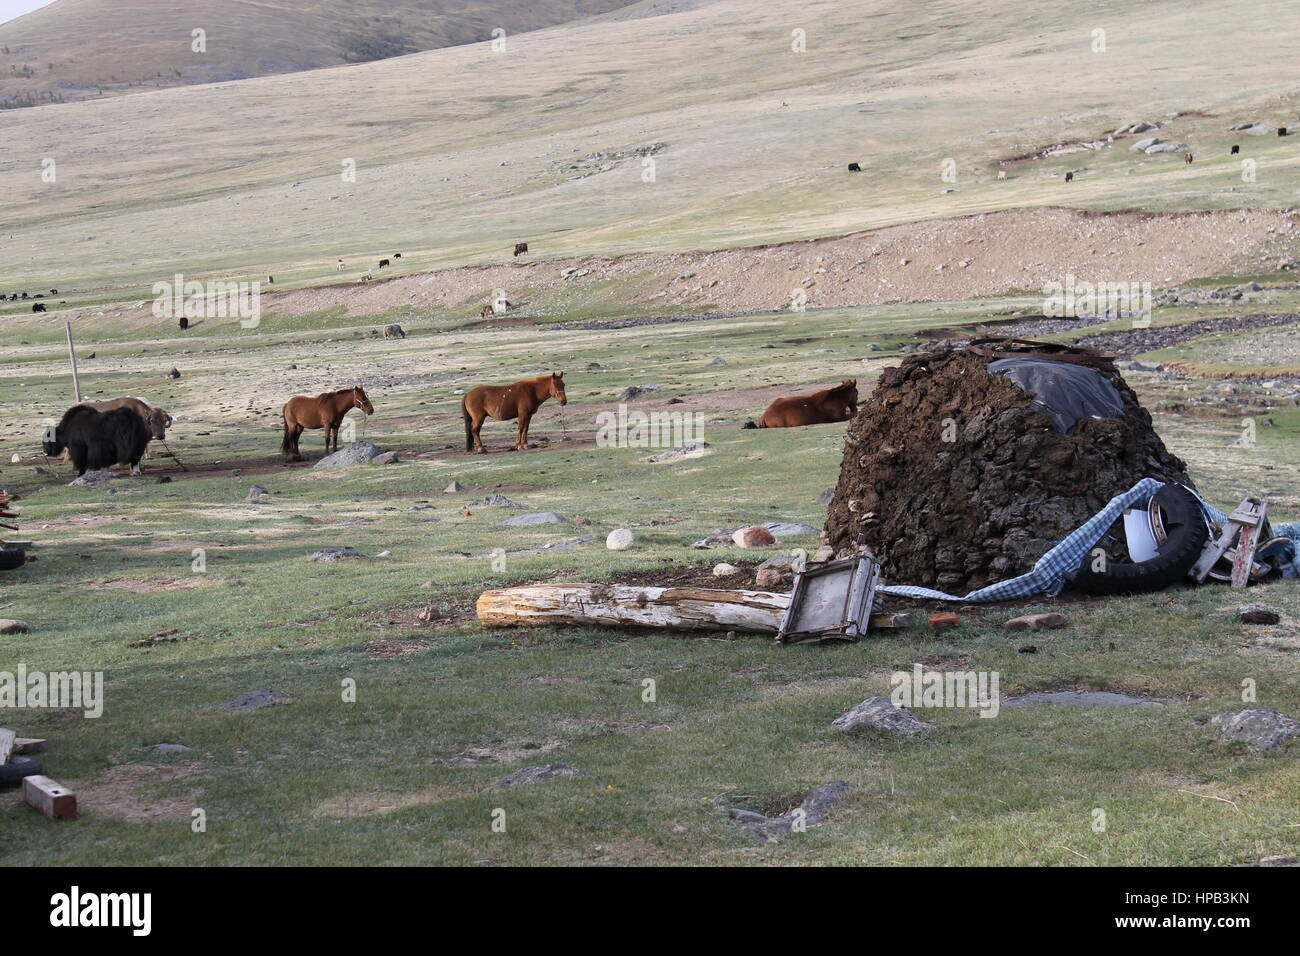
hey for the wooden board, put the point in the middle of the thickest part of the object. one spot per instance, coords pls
(685, 609)
(50, 797)
(7, 738)
(29, 745)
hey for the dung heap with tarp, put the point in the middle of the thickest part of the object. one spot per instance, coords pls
(967, 465)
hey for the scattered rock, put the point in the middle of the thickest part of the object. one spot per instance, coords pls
(533, 774)
(826, 497)
(716, 362)
(755, 536)
(636, 391)
(452, 488)
(783, 529)
(11, 626)
(357, 453)
(723, 570)
(533, 518)
(1257, 614)
(1075, 698)
(494, 500)
(336, 554)
(1035, 622)
(691, 449)
(1263, 730)
(92, 478)
(256, 492)
(775, 572)
(385, 458)
(880, 713)
(252, 700)
(176, 748)
(620, 539)
(812, 811)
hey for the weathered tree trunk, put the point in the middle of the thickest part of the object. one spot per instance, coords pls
(683, 609)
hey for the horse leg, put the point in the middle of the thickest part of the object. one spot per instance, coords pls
(476, 426)
(294, 434)
(521, 437)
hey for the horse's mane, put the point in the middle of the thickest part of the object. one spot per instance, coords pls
(842, 387)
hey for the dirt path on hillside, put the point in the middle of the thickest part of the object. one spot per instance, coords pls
(942, 260)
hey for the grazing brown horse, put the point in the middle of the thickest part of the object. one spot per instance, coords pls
(837, 404)
(505, 402)
(324, 411)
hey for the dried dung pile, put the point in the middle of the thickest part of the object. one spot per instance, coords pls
(986, 503)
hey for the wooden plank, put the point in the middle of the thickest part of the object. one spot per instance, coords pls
(50, 797)
(7, 738)
(685, 609)
(29, 745)
(1243, 562)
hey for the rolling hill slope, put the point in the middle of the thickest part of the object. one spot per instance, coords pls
(75, 49)
(654, 130)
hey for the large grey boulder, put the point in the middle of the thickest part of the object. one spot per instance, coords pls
(92, 478)
(1263, 730)
(880, 713)
(358, 453)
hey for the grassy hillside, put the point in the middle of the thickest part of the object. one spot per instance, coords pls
(75, 49)
(461, 152)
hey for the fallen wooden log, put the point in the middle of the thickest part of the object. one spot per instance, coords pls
(50, 797)
(680, 609)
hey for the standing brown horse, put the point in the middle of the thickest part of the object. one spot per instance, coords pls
(504, 402)
(837, 404)
(324, 411)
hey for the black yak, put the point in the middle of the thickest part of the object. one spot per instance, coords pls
(38, 307)
(521, 248)
(99, 439)
(383, 263)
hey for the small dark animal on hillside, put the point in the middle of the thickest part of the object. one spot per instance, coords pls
(24, 295)
(1187, 158)
(1235, 150)
(1281, 131)
(96, 439)
(1069, 177)
(506, 402)
(397, 255)
(38, 307)
(383, 263)
(183, 322)
(521, 248)
(270, 280)
(854, 168)
(394, 332)
(837, 404)
(324, 411)
(54, 292)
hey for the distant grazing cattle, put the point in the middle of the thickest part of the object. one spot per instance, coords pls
(854, 168)
(38, 307)
(1002, 174)
(156, 419)
(521, 248)
(397, 255)
(95, 439)
(339, 267)
(24, 295)
(383, 263)
(1069, 177)
(270, 280)
(1281, 131)
(1235, 150)
(394, 332)
(487, 311)
(1187, 158)
(183, 322)
(54, 292)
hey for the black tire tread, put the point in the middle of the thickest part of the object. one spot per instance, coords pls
(1186, 532)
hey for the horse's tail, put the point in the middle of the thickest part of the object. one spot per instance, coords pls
(469, 427)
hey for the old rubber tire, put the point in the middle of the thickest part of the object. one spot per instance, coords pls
(12, 773)
(1186, 534)
(11, 558)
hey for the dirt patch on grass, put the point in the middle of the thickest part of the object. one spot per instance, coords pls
(379, 803)
(152, 583)
(130, 792)
(692, 576)
(505, 752)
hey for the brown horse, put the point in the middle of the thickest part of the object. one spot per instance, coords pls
(505, 402)
(837, 404)
(324, 411)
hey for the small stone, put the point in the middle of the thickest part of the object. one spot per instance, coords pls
(1263, 730)
(533, 774)
(336, 554)
(725, 570)
(452, 488)
(1257, 614)
(385, 458)
(880, 713)
(1035, 622)
(755, 536)
(255, 493)
(620, 539)
(533, 518)
(171, 748)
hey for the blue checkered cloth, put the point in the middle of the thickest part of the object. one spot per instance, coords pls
(1054, 568)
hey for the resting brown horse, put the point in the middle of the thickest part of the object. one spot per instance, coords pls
(324, 411)
(505, 402)
(837, 404)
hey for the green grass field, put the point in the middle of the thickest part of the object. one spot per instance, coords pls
(443, 709)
